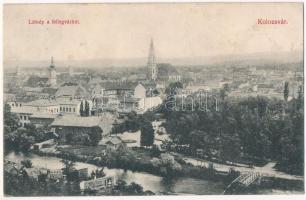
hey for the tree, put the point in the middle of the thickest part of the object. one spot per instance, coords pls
(86, 111)
(224, 91)
(172, 88)
(286, 91)
(26, 163)
(82, 109)
(68, 168)
(167, 164)
(135, 188)
(147, 134)
(95, 136)
(11, 120)
(300, 98)
(230, 149)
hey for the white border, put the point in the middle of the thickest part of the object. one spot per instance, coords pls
(195, 197)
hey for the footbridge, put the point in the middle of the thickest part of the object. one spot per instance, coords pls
(245, 179)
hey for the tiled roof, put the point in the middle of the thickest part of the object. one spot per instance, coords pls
(72, 91)
(68, 101)
(76, 121)
(42, 102)
(43, 115)
(50, 91)
(119, 86)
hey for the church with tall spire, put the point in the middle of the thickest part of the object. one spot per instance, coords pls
(151, 65)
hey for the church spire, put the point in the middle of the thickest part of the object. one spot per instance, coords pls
(52, 63)
(151, 66)
(52, 74)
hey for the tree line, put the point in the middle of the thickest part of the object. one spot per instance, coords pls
(252, 128)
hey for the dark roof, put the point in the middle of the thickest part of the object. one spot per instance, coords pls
(50, 91)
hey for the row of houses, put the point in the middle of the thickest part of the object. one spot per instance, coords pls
(70, 99)
(39, 173)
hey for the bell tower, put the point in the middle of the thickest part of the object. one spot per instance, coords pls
(52, 74)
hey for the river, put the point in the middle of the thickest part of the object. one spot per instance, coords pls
(156, 184)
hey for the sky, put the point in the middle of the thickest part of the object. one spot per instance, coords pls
(122, 31)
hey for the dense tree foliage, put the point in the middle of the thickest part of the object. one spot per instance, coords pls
(82, 109)
(86, 110)
(254, 128)
(68, 169)
(20, 138)
(286, 91)
(172, 88)
(167, 165)
(147, 134)
(26, 163)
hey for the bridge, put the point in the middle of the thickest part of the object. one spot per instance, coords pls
(244, 179)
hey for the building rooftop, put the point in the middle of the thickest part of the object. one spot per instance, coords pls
(111, 140)
(73, 91)
(68, 101)
(41, 102)
(43, 115)
(119, 86)
(77, 121)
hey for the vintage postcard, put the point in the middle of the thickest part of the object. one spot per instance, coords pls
(103, 99)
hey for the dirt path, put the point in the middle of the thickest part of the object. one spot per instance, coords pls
(267, 170)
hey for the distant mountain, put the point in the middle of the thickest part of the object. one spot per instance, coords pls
(254, 59)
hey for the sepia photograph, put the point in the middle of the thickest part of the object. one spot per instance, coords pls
(143, 99)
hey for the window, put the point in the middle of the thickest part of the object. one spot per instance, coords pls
(60, 108)
(13, 104)
(69, 109)
(20, 117)
(25, 117)
(73, 109)
(20, 105)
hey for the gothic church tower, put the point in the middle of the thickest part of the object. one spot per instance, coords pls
(151, 65)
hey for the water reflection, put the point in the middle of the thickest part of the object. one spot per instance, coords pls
(148, 181)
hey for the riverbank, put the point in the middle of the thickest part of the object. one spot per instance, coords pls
(169, 185)
(143, 164)
(272, 185)
(21, 185)
(134, 160)
(157, 184)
